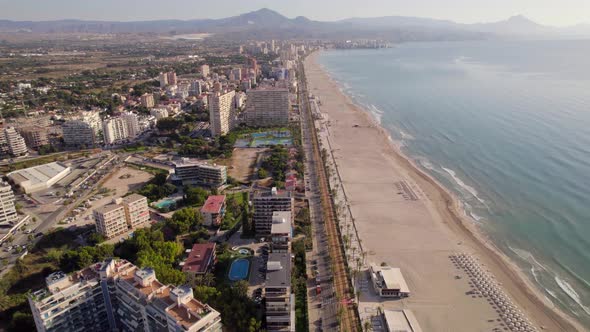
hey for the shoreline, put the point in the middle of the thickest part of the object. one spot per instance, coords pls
(516, 284)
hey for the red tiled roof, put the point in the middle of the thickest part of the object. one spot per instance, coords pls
(199, 257)
(213, 204)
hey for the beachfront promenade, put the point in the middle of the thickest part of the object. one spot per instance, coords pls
(406, 220)
(336, 297)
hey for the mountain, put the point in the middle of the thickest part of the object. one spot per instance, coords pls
(266, 23)
(515, 25)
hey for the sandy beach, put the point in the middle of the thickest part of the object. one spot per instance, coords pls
(417, 228)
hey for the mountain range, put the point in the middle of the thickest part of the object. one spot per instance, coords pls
(266, 23)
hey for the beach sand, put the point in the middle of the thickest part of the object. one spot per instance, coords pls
(417, 236)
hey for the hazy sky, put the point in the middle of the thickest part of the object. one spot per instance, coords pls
(551, 12)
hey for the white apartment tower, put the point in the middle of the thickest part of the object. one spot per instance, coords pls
(83, 130)
(12, 142)
(221, 112)
(114, 130)
(8, 213)
(132, 122)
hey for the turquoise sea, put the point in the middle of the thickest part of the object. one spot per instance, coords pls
(506, 126)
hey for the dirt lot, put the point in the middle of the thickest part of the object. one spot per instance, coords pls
(121, 182)
(242, 163)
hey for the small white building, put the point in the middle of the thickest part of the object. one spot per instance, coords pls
(389, 281)
(400, 320)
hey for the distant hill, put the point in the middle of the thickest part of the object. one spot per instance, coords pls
(266, 23)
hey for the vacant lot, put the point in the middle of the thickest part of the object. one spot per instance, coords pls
(243, 162)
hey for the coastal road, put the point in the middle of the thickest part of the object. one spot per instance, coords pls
(326, 261)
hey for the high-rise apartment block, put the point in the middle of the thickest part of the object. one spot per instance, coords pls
(35, 136)
(277, 291)
(122, 215)
(205, 70)
(8, 213)
(267, 107)
(132, 122)
(147, 100)
(195, 88)
(116, 295)
(265, 204)
(221, 112)
(83, 130)
(163, 78)
(114, 130)
(11, 142)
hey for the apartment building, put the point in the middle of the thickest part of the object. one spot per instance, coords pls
(147, 100)
(159, 113)
(192, 171)
(267, 107)
(277, 291)
(205, 70)
(221, 112)
(116, 295)
(281, 231)
(35, 136)
(8, 213)
(132, 123)
(137, 212)
(265, 204)
(201, 259)
(163, 79)
(11, 142)
(122, 215)
(114, 130)
(213, 210)
(82, 131)
(195, 88)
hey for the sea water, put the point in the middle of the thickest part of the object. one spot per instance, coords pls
(506, 126)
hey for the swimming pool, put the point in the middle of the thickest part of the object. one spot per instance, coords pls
(165, 203)
(239, 269)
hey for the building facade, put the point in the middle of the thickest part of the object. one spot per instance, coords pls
(213, 210)
(77, 133)
(121, 215)
(35, 136)
(147, 100)
(12, 143)
(8, 213)
(281, 231)
(192, 171)
(132, 122)
(221, 112)
(265, 204)
(267, 107)
(116, 295)
(114, 130)
(277, 291)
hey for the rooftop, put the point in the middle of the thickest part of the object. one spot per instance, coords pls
(213, 204)
(401, 320)
(187, 162)
(38, 174)
(281, 222)
(199, 257)
(133, 198)
(278, 270)
(392, 278)
(274, 192)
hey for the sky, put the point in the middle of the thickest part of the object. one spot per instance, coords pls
(549, 12)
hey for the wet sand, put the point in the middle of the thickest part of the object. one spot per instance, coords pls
(418, 235)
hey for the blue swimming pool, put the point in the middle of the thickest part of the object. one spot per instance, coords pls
(239, 269)
(165, 203)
